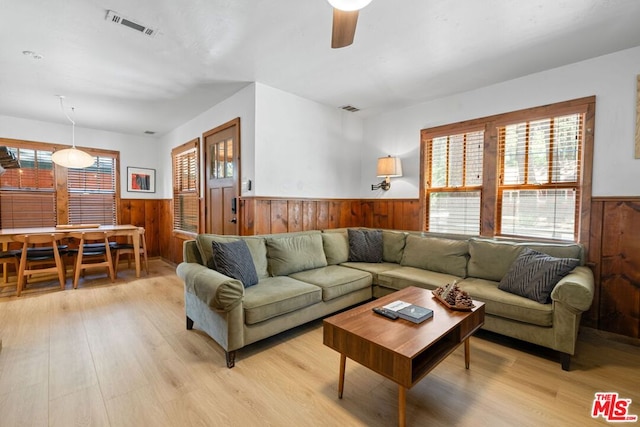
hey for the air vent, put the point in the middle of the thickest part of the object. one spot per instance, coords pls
(116, 18)
(350, 108)
(149, 132)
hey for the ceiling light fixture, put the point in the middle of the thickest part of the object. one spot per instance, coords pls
(71, 157)
(349, 5)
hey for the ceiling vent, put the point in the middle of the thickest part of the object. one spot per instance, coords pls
(116, 18)
(350, 108)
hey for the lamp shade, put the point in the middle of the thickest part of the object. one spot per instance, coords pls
(389, 166)
(72, 158)
(349, 5)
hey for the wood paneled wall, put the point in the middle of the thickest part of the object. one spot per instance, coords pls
(275, 215)
(614, 240)
(614, 251)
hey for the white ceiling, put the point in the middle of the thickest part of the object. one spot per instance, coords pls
(405, 52)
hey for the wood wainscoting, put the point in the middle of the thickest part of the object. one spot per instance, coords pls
(614, 251)
(277, 215)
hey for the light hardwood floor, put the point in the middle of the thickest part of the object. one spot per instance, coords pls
(119, 355)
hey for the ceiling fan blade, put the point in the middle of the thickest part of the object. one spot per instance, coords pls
(344, 28)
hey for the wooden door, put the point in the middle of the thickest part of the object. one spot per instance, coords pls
(222, 169)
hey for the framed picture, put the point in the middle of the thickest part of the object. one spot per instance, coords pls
(141, 180)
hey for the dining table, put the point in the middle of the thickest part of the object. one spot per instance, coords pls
(129, 230)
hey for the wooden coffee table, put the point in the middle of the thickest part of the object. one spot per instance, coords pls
(400, 350)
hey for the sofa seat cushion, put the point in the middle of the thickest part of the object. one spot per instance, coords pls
(504, 304)
(273, 296)
(403, 277)
(335, 280)
(373, 268)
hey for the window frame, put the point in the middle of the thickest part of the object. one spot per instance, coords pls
(427, 165)
(190, 146)
(489, 213)
(61, 193)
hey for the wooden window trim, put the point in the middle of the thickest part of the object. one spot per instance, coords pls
(60, 173)
(194, 144)
(489, 210)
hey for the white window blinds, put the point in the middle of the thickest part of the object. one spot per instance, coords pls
(92, 192)
(539, 186)
(185, 187)
(454, 183)
(27, 195)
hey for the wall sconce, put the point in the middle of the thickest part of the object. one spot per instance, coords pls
(387, 167)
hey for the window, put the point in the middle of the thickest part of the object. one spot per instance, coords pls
(92, 192)
(539, 169)
(186, 176)
(521, 174)
(27, 195)
(31, 196)
(454, 170)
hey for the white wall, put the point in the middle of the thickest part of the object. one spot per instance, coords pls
(136, 151)
(294, 147)
(305, 149)
(241, 104)
(612, 78)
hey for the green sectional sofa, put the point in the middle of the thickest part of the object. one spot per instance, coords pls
(308, 275)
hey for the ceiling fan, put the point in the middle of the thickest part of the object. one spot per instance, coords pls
(345, 18)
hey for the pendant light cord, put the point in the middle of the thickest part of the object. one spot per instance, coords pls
(73, 124)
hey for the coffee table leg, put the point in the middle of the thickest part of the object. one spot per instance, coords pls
(402, 406)
(467, 353)
(343, 361)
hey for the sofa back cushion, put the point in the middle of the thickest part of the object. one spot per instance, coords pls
(436, 254)
(257, 248)
(336, 246)
(291, 253)
(559, 250)
(492, 259)
(393, 243)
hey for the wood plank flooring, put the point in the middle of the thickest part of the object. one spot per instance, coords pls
(119, 355)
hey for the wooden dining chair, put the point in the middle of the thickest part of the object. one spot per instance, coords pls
(129, 250)
(32, 256)
(94, 251)
(9, 257)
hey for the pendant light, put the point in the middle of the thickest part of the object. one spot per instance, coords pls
(71, 157)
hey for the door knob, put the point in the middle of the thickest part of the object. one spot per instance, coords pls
(234, 220)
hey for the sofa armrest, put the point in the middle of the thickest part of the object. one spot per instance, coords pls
(218, 291)
(575, 289)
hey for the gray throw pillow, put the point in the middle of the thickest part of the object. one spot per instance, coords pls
(233, 259)
(365, 245)
(534, 274)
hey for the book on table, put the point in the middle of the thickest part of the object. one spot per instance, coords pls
(410, 312)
